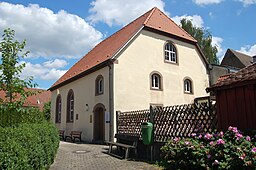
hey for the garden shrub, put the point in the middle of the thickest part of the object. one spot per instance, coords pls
(28, 146)
(229, 150)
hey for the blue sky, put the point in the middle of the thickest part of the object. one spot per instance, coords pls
(60, 32)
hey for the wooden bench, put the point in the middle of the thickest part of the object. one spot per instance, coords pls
(74, 135)
(126, 142)
(61, 134)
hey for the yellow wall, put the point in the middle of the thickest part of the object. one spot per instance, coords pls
(131, 82)
(84, 93)
(145, 55)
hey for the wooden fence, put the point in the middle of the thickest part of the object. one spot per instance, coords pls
(171, 121)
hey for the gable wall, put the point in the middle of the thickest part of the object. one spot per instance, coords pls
(146, 54)
(84, 93)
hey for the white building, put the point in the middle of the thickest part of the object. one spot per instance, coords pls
(151, 61)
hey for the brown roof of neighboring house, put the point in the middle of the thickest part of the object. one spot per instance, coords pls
(103, 53)
(236, 59)
(243, 76)
(37, 100)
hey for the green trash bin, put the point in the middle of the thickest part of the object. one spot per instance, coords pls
(147, 133)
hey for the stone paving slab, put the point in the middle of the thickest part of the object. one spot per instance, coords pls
(93, 157)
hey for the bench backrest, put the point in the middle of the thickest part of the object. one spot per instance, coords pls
(76, 133)
(127, 139)
(61, 132)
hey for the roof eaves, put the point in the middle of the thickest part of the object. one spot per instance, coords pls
(82, 74)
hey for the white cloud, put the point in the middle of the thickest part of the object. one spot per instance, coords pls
(247, 2)
(216, 41)
(39, 71)
(57, 63)
(207, 2)
(116, 12)
(49, 34)
(249, 50)
(195, 19)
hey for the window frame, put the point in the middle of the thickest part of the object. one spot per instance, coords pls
(153, 83)
(188, 86)
(58, 109)
(172, 53)
(70, 106)
(99, 85)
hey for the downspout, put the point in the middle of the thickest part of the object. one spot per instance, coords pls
(111, 101)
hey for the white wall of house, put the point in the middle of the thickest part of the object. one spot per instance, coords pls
(84, 93)
(144, 55)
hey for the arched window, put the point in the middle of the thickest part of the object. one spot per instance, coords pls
(99, 85)
(170, 53)
(58, 109)
(70, 106)
(188, 86)
(156, 83)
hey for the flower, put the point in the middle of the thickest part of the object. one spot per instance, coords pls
(200, 136)
(208, 136)
(211, 143)
(220, 142)
(254, 150)
(238, 136)
(187, 142)
(248, 138)
(242, 156)
(221, 134)
(209, 156)
(233, 129)
(176, 139)
(193, 134)
(216, 162)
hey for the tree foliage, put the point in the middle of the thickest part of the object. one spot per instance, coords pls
(204, 39)
(47, 110)
(11, 83)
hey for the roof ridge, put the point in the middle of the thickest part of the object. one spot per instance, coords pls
(151, 13)
(177, 24)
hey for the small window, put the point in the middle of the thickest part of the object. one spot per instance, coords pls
(188, 86)
(99, 85)
(156, 81)
(58, 110)
(70, 106)
(170, 53)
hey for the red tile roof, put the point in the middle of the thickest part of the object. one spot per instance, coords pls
(37, 100)
(245, 75)
(105, 50)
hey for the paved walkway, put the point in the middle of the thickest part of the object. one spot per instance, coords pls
(93, 157)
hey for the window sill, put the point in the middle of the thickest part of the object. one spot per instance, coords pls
(98, 94)
(156, 89)
(171, 62)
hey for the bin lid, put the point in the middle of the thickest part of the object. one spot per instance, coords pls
(147, 124)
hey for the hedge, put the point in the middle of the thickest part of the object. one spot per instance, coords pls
(28, 146)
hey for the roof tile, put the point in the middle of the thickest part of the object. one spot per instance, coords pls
(106, 49)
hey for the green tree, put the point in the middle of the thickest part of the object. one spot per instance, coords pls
(47, 110)
(11, 83)
(204, 39)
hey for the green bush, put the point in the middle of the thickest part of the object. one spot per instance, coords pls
(28, 146)
(229, 150)
(14, 116)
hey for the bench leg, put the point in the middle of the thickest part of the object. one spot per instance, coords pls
(110, 148)
(126, 153)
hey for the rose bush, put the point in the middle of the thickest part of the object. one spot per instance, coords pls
(229, 150)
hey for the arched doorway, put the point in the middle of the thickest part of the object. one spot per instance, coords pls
(99, 123)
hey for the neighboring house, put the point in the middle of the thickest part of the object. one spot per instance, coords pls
(151, 61)
(236, 99)
(234, 59)
(37, 100)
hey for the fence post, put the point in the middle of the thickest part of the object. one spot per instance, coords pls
(117, 113)
(151, 118)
